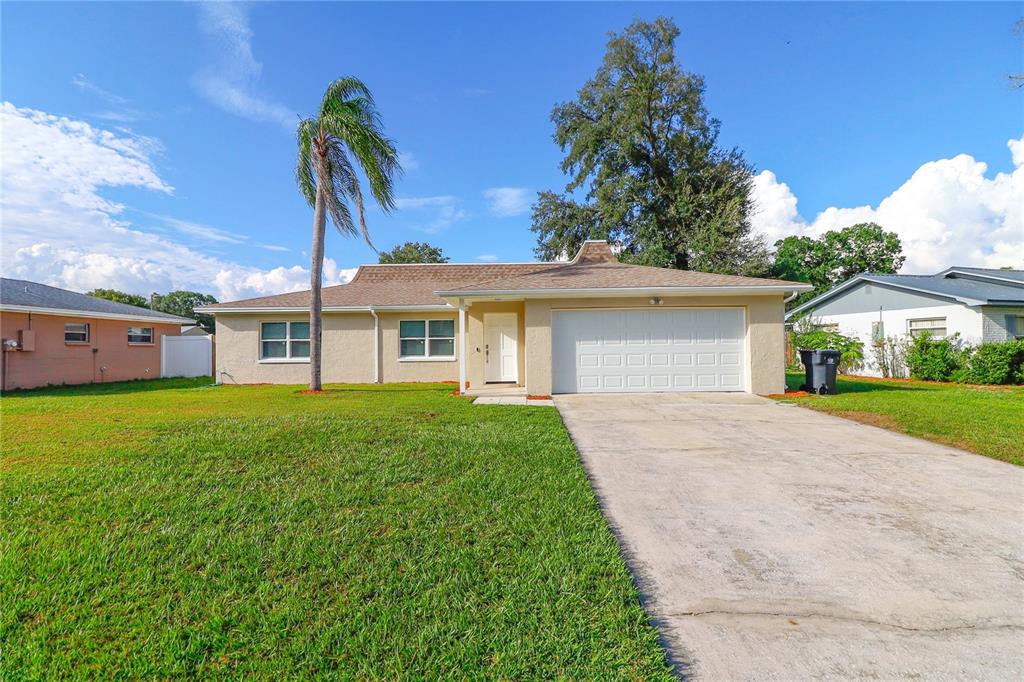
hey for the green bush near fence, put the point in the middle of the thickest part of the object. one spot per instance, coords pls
(851, 349)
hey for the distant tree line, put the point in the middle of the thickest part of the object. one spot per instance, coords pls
(181, 303)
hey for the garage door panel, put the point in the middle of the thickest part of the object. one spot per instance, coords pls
(648, 350)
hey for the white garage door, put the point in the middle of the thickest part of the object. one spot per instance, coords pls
(614, 351)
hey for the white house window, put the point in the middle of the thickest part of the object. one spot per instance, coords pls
(426, 338)
(933, 326)
(75, 332)
(140, 335)
(284, 340)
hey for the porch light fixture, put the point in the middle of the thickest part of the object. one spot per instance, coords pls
(656, 301)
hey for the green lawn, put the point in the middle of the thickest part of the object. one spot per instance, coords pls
(172, 529)
(988, 420)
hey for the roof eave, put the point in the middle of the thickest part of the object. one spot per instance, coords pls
(980, 275)
(618, 292)
(325, 309)
(69, 312)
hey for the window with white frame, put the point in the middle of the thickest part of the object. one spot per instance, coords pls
(140, 335)
(933, 326)
(426, 338)
(284, 340)
(76, 332)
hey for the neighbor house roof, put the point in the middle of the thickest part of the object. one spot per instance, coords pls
(985, 273)
(595, 268)
(20, 295)
(969, 286)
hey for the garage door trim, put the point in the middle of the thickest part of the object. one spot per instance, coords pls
(747, 359)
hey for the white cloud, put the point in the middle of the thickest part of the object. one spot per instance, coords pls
(121, 110)
(487, 257)
(232, 84)
(408, 161)
(947, 213)
(507, 201)
(430, 214)
(58, 229)
(205, 232)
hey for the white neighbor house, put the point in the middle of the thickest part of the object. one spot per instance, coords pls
(978, 304)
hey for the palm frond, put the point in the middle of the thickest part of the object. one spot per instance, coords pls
(304, 170)
(346, 184)
(374, 152)
(346, 135)
(345, 89)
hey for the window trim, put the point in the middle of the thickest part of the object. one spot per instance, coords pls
(931, 329)
(427, 338)
(152, 336)
(288, 339)
(88, 334)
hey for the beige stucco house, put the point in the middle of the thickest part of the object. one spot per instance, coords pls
(592, 324)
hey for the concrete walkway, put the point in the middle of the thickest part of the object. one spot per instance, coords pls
(771, 542)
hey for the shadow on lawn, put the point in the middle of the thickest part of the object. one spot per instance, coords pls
(112, 388)
(859, 384)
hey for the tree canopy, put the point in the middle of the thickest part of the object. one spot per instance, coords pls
(120, 297)
(413, 252)
(837, 256)
(184, 303)
(643, 148)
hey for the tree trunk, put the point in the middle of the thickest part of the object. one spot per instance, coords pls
(316, 267)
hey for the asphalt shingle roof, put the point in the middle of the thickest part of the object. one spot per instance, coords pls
(985, 291)
(976, 286)
(595, 267)
(21, 292)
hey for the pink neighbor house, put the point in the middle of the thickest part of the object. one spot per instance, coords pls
(52, 336)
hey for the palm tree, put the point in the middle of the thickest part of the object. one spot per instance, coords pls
(347, 127)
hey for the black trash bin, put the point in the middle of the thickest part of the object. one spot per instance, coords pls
(820, 367)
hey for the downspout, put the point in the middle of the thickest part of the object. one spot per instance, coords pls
(462, 346)
(376, 346)
(790, 297)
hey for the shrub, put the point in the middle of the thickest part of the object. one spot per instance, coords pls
(891, 357)
(807, 335)
(997, 363)
(931, 359)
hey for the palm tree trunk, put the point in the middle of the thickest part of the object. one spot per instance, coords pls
(316, 267)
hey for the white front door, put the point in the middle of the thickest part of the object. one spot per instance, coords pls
(648, 350)
(501, 341)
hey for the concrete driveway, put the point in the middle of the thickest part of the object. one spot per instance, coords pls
(773, 542)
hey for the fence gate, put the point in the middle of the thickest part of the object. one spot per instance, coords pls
(186, 356)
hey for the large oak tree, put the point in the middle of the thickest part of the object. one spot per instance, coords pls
(642, 150)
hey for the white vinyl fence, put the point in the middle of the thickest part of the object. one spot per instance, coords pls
(186, 356)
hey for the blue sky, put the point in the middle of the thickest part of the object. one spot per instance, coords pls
(178, 118)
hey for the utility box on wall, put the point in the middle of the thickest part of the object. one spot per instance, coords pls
(26, 339)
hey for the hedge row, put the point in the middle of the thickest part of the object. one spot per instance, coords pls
(950, 360)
